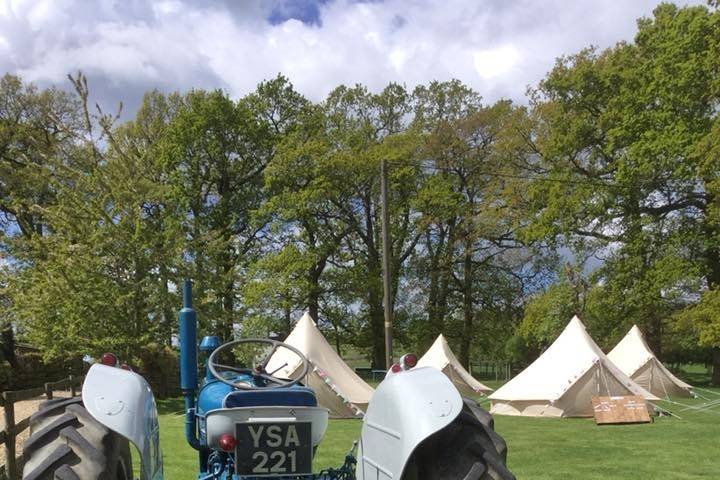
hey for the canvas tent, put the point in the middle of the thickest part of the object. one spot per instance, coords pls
(562, 381)
(440, 356)
(633, 356)
(337, 386)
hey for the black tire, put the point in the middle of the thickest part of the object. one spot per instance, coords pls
(467, 449)
(67, 443)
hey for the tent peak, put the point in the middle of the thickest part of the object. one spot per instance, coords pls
(637, 360)
(574, 328)
(336, 385)
(307, 318)
(441, 357)
(575, 321)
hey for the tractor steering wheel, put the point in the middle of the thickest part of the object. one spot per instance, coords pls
(259, 371)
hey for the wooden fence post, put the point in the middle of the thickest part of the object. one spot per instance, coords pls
(13, 429)
(10, 466)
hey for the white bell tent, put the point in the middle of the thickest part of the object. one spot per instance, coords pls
(440, 356)
(633, 356)
(337, 387)
(562, 381)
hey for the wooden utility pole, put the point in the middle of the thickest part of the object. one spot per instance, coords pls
(386, 253)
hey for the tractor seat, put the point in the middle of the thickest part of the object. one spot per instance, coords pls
(295, 396)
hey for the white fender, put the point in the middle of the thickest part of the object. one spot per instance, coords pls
(407, 408)
(123, 402)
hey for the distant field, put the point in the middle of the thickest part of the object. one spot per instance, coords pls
(354, 358)
(540, 449)
(695, 374)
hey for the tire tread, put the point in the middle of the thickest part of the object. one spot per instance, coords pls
(67, 443)
(467, 449)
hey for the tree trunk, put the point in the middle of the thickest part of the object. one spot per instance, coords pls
(437, 306)
(716, 367)
(443, 294)
(377, 327)
(467, 306)
(139, 313)
(314, 292)
(199, 273)
(337, 340)
(287, 322)
(435, 310)
(228, 311)
(226, 331)
(313, 307)
(168, 315)
(438, 290)
(375, 287)
(7, 346)
(376, 311)
(712, 253)
(653, 334)
(432, 304)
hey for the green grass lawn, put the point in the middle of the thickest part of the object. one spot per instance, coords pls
(568, 449)
(669, 448)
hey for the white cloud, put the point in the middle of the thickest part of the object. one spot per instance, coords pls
(496, 62)
(127, 47)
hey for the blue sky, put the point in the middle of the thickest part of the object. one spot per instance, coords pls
(126, 47)
(305, 11)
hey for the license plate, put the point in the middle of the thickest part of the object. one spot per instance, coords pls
(273, 449)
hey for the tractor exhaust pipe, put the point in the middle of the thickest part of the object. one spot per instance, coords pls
(187, 330)
(188, 341)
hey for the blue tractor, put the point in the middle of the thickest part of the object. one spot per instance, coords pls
(248, 423)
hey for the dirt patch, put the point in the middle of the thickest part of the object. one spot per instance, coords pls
(23, 410)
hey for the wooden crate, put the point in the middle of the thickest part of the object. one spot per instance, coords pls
(618, 410)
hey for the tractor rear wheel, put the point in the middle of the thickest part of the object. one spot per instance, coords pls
(67, 443)
(467, 449)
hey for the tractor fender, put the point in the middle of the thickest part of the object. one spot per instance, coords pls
(122, 401)
(407, 408)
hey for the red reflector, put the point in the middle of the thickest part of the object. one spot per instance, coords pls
(109, 359)
(396, 368)
(127, 367)
(409, 360)
(227, 442)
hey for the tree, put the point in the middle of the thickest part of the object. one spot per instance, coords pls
(307, 233)
(85, 285)
(7, 333)
(547, 314)
(621, 161)
(137, 143)
(471, 254)
(36, 126)
(438, 107)
(361, 128)
(704, 318)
